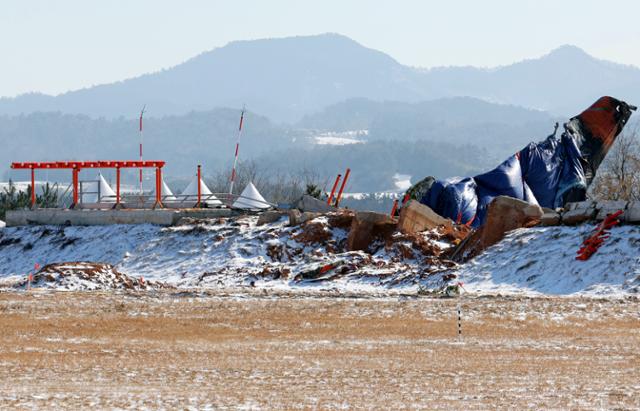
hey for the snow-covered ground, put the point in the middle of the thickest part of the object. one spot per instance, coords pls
(542, 260)
(225, 253)
(238, 253)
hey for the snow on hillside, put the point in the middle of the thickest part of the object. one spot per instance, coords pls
(228, 252)
(236, 252)
(542, 260)
(341, 138)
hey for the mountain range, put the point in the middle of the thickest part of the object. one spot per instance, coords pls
(288, 78)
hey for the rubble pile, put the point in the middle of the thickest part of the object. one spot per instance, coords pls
(76, 276)
(361, 249)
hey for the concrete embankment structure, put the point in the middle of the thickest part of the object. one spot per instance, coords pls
(163, 217)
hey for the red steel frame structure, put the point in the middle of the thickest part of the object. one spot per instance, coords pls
(77, 166)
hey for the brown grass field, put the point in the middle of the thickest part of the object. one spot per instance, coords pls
(224, 351)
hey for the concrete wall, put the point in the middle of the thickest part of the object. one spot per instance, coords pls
(106, 217)
(206, 213)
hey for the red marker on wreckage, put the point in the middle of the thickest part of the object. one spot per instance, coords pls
(592, 243)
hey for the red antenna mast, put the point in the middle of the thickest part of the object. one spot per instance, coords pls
(235, 160)
(141, 140)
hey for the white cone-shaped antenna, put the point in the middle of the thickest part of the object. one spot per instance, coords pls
(107, 195)
(167, 194)
(251, 199)
(192, 192)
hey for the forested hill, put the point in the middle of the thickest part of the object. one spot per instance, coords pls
(288, 78)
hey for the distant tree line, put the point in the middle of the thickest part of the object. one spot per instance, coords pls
(443, 138)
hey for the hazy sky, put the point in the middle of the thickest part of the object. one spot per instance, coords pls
(53, 46)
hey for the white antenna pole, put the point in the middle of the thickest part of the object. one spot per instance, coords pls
(141, 140)
(235, 160)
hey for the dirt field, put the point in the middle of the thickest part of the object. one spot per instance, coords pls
(99, 350)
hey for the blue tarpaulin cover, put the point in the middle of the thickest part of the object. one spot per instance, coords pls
(549, 173)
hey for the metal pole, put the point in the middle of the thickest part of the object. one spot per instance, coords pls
(199, 186)
(75, 187)
(158, 186)
(394, 208)
(235, 160)
(333, 190)
(117, 186)
(141, 141)
(33, 187)
(459, 322)
(344, 183)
